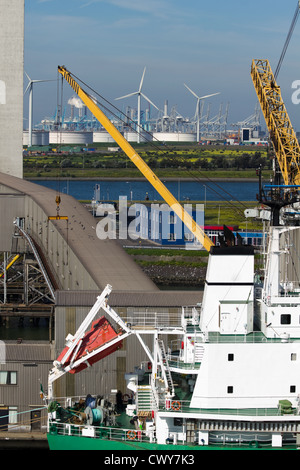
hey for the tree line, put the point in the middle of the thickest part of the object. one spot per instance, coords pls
(240, 162)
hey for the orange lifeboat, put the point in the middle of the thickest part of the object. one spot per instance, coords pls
(100, 334)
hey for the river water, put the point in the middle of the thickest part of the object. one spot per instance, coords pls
(139, 190)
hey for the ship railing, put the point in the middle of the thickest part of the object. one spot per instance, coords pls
(155, 396)
(152, 319)
(184, 406)
(254, 337)
(102, 432)
(176, 363)
(176, 356)
(190, 316)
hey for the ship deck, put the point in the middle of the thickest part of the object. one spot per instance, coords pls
(254, 337)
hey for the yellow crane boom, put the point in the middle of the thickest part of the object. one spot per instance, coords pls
(138, 161)
(10, 264)
(282, 134)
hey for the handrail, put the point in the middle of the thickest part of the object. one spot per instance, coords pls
(37, 257)
(102, 432)
(184, 406)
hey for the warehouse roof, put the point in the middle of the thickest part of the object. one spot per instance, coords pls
(27, 351)
(104, 260)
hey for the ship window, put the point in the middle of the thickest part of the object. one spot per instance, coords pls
(178, 422)
(285, 319)
(230, 357)
(292, 388)
(230, 389)
(293, 357)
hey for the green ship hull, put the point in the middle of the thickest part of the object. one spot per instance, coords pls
(59, 442)
(64, 442)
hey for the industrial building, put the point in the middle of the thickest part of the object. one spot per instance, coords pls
(74, 266)
(11, 86)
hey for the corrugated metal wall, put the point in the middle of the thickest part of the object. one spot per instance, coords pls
(31, 362)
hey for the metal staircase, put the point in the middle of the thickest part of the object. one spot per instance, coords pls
(144, 400)
(199, 352)
(165, 367)
(40, 258)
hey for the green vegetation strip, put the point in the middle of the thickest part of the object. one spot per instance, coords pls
(172, 161)
(193, 264)
(166, 252)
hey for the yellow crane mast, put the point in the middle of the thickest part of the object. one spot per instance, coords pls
(138, 161)
(282, 134)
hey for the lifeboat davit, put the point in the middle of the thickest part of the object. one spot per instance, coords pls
(101, 333)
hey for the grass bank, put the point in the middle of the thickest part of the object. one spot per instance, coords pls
(132, 173)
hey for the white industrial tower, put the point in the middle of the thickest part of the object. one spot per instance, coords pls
(11, 86)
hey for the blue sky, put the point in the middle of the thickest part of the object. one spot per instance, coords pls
(209, 45)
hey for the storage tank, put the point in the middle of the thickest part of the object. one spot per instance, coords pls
(174, 137)
(133, 137)
(39, 138)
(71, 137)
(102, 136)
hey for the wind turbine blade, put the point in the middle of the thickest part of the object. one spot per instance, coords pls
(144, 96)
(30, 83)
(38, 81)
(142, 80)
(27, 76)
(27, 88)
(193, 93)
(208, 96)
(127, 96)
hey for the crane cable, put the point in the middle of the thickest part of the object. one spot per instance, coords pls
(287, 41)
(151, 142)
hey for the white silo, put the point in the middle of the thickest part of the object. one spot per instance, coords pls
(11, 86)
(102, 136)
(39, 138)
(70, 137)
(174, 137)
(132, 136)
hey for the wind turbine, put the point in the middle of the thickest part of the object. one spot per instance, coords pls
(139, 94)
(199, 98)
(30, 88)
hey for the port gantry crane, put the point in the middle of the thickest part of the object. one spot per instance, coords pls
(283, 138)
(175, 206)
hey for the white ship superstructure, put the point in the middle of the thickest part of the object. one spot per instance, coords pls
(225, 373)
